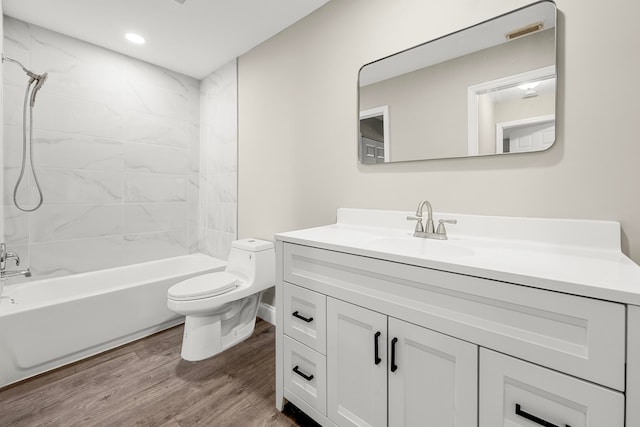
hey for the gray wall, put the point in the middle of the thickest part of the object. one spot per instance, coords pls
(298, 122)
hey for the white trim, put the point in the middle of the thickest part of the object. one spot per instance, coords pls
(500, 127)
(267, 313)
(475, 90)
(383, 111)
(633, 368)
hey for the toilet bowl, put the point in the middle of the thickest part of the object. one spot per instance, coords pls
(221, 307)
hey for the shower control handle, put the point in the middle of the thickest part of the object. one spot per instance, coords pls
(13, 255)
(5, 255)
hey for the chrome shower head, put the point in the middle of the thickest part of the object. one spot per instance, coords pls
(40, 79)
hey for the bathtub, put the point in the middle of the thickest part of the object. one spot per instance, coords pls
(51, 322)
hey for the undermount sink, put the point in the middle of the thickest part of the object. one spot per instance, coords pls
(416, 246)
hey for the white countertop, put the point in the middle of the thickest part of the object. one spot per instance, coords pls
(579, 257)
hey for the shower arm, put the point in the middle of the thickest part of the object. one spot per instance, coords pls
(29, 73)
(33, 77)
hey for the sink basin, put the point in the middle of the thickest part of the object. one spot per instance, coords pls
(417, 246)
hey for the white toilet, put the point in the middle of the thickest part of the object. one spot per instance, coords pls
(221, 307)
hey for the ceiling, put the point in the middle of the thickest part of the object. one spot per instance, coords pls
(194, 38)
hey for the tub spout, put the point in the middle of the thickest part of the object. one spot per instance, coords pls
(15, 273)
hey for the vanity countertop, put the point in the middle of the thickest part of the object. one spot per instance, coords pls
(581, 257)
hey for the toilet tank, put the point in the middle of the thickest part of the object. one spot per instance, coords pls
(252, 245)
(253, 261)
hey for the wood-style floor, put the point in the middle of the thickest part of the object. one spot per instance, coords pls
(146, 383)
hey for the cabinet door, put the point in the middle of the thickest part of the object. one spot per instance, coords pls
(356, 375)
(432, 377)
(515, 393)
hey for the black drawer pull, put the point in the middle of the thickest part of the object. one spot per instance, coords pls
(535, 419)
(394, 367)
(306, 319)
(302, 374)
(376, 356)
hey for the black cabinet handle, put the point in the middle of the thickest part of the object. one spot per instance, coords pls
(535, 419)
(394, 367)
(376, 355)
(306, 319)
(302, 374)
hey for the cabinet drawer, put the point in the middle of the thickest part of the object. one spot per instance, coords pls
(580, 336)
(517, 393)
(305, 374)
(305, 317)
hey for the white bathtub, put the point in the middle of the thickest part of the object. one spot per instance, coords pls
(51, 322)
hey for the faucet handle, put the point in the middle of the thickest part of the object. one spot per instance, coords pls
(10, 255)
(419, 226)
(6, 255)
(441, 229)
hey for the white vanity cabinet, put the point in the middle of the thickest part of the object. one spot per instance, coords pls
(374, 360)
(395, 342)
(431, 377)
(380, 368)
(356, 365)
(516, 393)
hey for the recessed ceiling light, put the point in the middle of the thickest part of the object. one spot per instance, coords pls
(135, 38)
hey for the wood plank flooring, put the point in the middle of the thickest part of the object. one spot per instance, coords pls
(146, 383)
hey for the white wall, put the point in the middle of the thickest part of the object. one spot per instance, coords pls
(298, 122)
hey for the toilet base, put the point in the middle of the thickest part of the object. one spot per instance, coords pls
(206, 336)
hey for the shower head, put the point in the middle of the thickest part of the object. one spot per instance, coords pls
(40, 79)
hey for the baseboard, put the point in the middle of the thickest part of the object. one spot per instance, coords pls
(267, 313)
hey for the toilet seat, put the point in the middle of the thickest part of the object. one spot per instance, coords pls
(203, 286)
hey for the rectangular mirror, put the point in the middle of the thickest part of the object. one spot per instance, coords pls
(488, 89)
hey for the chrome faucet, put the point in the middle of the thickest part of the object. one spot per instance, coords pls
(4, 256)
(418, 217)
(428, 231)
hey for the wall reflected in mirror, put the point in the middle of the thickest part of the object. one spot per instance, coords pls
(489, 89)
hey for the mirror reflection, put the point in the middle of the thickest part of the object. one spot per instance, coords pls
(489, 89)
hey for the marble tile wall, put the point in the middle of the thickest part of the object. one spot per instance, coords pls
(117, 153)
(219, 160)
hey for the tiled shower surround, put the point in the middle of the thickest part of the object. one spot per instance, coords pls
(219, 165)
(117, 145)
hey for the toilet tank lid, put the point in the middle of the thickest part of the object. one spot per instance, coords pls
(203, 286)
(252, 245)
